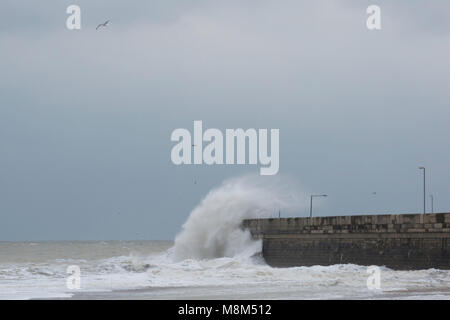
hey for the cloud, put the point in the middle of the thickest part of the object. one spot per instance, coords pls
(104, 103)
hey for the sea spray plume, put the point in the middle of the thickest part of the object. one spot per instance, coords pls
(213, 227)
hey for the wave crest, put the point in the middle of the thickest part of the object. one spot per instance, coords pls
(213, 229)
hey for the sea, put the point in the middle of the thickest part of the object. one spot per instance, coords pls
(211, 257)
(146, 270)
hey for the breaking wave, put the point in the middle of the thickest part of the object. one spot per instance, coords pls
(213, 228)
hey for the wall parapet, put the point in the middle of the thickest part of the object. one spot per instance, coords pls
(386, 223)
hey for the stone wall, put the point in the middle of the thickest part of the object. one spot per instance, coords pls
(402, 241)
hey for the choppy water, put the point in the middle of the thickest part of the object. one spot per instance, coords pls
(211, 258)
(147, 269)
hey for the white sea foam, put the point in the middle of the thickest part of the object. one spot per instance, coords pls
(225, 277)
(213, 229)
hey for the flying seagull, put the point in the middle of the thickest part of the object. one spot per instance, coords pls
(102, 24)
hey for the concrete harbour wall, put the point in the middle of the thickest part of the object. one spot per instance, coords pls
(401, 241)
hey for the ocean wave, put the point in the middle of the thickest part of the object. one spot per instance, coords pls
(213, 228)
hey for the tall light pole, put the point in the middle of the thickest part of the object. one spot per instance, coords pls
(310, 206)
(424, 191)
(432, 203)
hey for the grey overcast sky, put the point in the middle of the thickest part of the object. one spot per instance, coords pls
(86, 115)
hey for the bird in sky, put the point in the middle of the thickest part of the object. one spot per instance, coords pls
(102, 24)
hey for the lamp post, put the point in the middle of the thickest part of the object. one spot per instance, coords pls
(432, 203)
(424, 191)
(311, 203)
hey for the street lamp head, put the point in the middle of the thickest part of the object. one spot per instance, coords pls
(421, 167)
